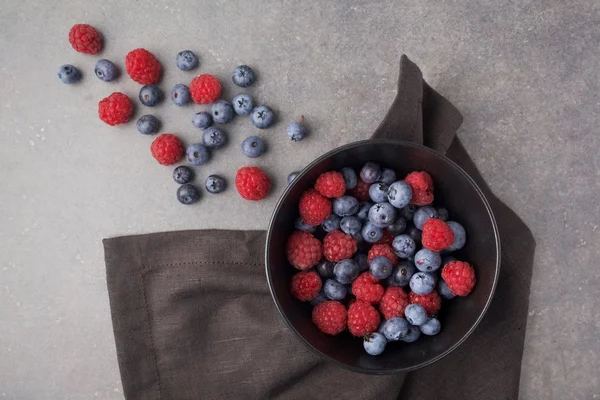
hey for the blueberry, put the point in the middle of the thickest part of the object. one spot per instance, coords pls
(422, 283)
(197, 154)
(381, 267)
(370, 173)
(346, 271)
(222, 111)
(394, 328)
(296, 131)
(350, 178)
(398, 227)
(243, 76)
(408, 212)
(460, 236)
(423, 214)
(371, 233)
(202, 120)
(443, 213)
(214, 138)
(399, 194)
(262, 117)
(414, 233)
(334, 290)
(402, 274)
(325, 269)
(388, 176)
(182, 174)
(68, 74)
(382, 214)
(253, 147)
(378, 192)
(431, 327)
(447, 258)
(147, 125)
(361, 260)
(345, 205)
(150, 95)
(414, 333)
(374, 343)
(331, 223)
(292, 176)
(242, 104)
(187, 194)
(215, 184)
(180, 94)
(363, 210)
(427, 260)
(404, 246)
(415, 314)
(444, 291)
(303, 226)
(186, 60)
(351, 225)
(321, 298)
(106, 70)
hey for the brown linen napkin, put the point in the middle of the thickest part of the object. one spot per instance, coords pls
(184, 331)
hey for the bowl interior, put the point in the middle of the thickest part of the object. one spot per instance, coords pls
(457, 192)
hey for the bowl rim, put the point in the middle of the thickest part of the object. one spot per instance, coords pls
(303, 172)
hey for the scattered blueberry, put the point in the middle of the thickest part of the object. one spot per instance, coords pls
(147, 125)
(427, 260)
(106, 70)
(460, 236)
(346, 271)
(321, 298)
(242, 104)
(414, 333)
(180, 94)
(243, 76)
(351, 225)
(350, 178)
(444, 291)
(187, 194)
(382, 215)
(215, 184)
(414, 233)
(404, 246)
(399, 194)
(371, 233)
(150, 95)
(345, 205)
(431, 327)
(292, 176)
(443, 213)
(408, 212)
(370, 173)
(398, 227)
(214, 138)
(334, 290)
(415, 314)
(68, 74)
(423, 214)
(186, 60)
(197, 154)
(422, 283)
(182, 174)
(253, 147)
(363, 210)
(388, 176)
(374, 343)
(361, 260)
(378, 192)
(222, 111)
(303, 226)
(296, 131)
(402, 273)
(202, 120)
(331, 223)
(394, 328)
(262, 117)
(325, 269)
(381, 267)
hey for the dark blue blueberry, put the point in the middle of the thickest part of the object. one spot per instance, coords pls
(374, 343)
(398, 227)
(325, 269)
(334, 290)
(296, 131)
(202, 120)
(378, 192)
(321, 298)
(253, 147)
(180, 94)
(460, 236)
(303, 226)
(68, 74)
(414, 233)
(106, 70)
(415, 314)
(215, 184)
(447, 258)
(402, 274)
(331, 223)
(404, 246)
(422, 283)
(182, 174)
(408, 212)
(382, 215)
(150, 95)
(242, 104)
(388, 176)
(243, 76)
(427, 260)
(381, 267)
(147, 125)
(186, 60)
(363, 210)
(351, 225)
(222, 111)
(361, 260)
(443, 213)
(262, 117)
(350, 178)
(197, 154)
(214, 138)
(346, 271)
(345, 205)
(431, 327)
(370, 173)
(399, 194)
(187, 194)
(371, 233)
(414, 333)
(394, 328)
(422, 215)
(444, 291)
(292, 176)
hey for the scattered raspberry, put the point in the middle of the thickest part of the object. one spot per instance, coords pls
(314, 208)
(143, 67)
(387, 238)
(85, 39)
(422, 198)
(331, 184)
(338, 246)
(431, 302)
(363, 318)
(437, 235)
(422, 187)
(306, 285)
(115, 109)
(303, 250)
(393, 302)
(330, 317)
(366, 288)
(384, 250)
(252, 183)
(459, 276)
(205, 89)
(167, 149)
(361, 191)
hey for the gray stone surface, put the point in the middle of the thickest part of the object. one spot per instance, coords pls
(524, 74)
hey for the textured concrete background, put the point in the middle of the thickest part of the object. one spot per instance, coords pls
(524, 74)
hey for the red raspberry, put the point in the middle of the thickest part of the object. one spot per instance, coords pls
(167, 149)
(363, 318)
(384, 250)
(143, 67)
(314, 208)
(361, 191)
(437, 235)
(422, 187)
(306, 285)
(330, 317)
(205, 89)
(459, 276)
(393, 302)
(331, 184)
(115, 109)
(252, 183)
(338, 246)
(303, 250)
(367, 288)
(387, 238)
(85, 39)
(431, 302)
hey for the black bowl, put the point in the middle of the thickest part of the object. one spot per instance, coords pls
(459, 317)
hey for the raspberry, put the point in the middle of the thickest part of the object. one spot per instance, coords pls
(393, 302)
(361, 191)
(363, 318)
(384, 250)
(437, 235)
(422, 187)
(314, 208)
(143, 67)
(167, 149)
(366, 288)
(115, 109)
(306, 285)
(252, 183)
(338, 246)
(85, 39)
(205, 89)
(303, 250)
(431, 302)
(331, 184)
(459, 276)
(330, 317)
(387, 238)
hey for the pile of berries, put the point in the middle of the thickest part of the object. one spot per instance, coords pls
(374, 255)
